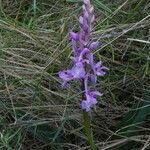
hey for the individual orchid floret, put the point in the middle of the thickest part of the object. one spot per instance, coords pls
(77, 72)
(90, 100)
(99, 69)
(91, 96)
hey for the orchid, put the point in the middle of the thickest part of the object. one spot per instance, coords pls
(82, 47)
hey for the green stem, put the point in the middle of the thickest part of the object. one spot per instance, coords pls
(87, 123)
(88, 130)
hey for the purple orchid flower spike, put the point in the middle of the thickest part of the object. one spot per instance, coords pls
(84, 66)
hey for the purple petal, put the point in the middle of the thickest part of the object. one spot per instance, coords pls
(99, 69)
(86, 15)
(64, 85)
(97, 93)
(91, 98)
(84, 43)
(100, 73)
(94, 45)
(105, 68)
(91, 60)
(85, 61)
(74, 46)
(85, 27)
(93, 101)
(85, 105)
(74, 36)
(87, 2)
(92, 19)
(93, 78)
(78, 71)
(98, 65)
(86, 83)
(84, 51)
(66, 75)
(81, 20)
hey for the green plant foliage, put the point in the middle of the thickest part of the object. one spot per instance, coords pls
(34, 46)
(135, 118)
(102, 6)
(43, 133)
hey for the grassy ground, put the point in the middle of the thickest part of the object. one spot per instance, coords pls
(35, 113)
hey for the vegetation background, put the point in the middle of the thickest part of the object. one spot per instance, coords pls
(35, 113)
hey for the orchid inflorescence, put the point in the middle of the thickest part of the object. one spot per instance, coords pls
(83, 57)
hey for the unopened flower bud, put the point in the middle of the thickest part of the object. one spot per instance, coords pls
(81, 20)
(87, 2)
(85, 27)
(94, 45)
(91, 10)
(92, 19)
(74, 36)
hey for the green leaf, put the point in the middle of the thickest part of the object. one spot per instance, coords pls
(74, 1)
(136, 117)
(129, 126)
(43, 133)
(102, 6)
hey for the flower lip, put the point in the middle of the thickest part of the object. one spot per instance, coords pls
(86, 105)
(66, 75)
(78, 71)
